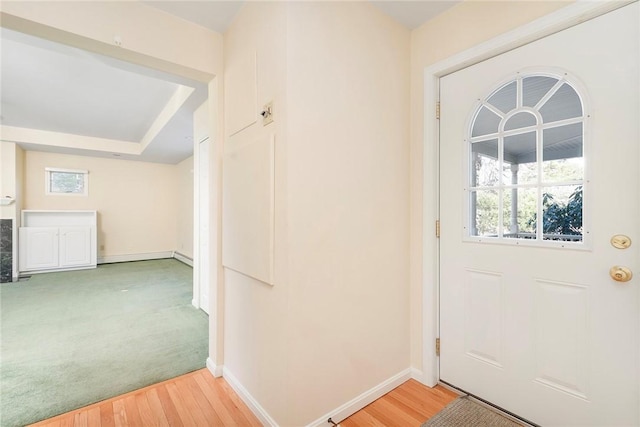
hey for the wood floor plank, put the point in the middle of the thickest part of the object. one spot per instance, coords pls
(106, 414)
(133, 415)
(190, 402)
(210, 414)
(180, 406)
(428, 404)
(437, 391)
(93, 417)
(361, 419)
(146, 415)
(151, 396)
(225, 399)
(410, 411)
(389, 415)
(80, 419)
(410, 404)
(120, 413)
(214, 399)
(173, 417)
(67, 421)
(237, 405)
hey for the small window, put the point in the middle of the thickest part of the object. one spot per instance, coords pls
(526, 165)
(66, 181)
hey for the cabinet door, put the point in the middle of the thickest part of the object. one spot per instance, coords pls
(38, 248)
(75, 246)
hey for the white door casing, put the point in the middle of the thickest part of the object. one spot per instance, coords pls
(204, 227)
(545, 332)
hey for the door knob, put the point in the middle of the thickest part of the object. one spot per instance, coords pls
(620, 273)
(620, 241)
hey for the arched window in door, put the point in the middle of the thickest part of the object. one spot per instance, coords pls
(526, 163)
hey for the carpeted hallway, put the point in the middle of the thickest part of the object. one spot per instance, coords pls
(73, 338)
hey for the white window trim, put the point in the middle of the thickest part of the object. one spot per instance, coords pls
(47, 181)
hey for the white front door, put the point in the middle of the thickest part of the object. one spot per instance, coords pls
(539, 169)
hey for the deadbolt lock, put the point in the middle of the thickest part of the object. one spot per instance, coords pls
(620, 273)
(620, 241)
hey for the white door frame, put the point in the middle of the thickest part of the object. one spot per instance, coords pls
(566, 17)
(200, 262)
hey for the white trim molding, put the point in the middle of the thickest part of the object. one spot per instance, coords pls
(134, 257)
(216, 370)
(568, 16)
(359, 402)
(249, 400)
(183, 258)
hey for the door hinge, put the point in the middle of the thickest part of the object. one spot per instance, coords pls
(437, 228)
(437, 346)
(438, 110)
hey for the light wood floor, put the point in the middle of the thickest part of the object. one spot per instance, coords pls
(195, 399)
(410, 404)
(199, 399)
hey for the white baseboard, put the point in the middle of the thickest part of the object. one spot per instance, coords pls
(216, 370)
(252, 403)
(363, 400)
(183, 258)
(134, 257)
(53, 270)
(195, 303)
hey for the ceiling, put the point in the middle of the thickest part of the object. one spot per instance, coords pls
(218, 15)
(138, 113)
(129, 109)
(414, 13)
(214, 15)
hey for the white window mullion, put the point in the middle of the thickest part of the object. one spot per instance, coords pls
(540, 215)
(500, 186)
(494, 110)
(549, 94)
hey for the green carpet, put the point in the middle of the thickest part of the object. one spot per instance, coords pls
(69, 339)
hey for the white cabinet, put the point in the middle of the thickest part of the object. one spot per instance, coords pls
(57, 240)
(38, 248)
(75, 246)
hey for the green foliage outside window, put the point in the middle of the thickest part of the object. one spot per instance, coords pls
(562, 218)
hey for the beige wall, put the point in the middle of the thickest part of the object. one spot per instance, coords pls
(457, 29)
(137, 202)
(348, 203)
(336, 323)
(184, 213)
(256, 315)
